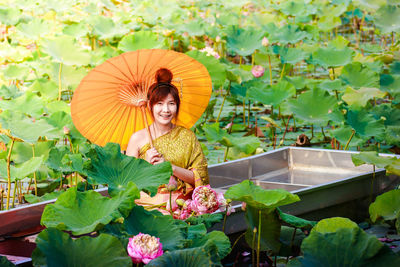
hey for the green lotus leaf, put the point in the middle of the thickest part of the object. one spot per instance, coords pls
(292, 55)
(390, 83)
(193, 28)
(357, 75)
(76, 29)
(387, 19)
(329, 85)
(331, 225)
(395, 67)
(328, 22)
(295, 221)
(288, 242)
(371, 157)
(293, 8)
(393, 135)
(55, 160)
(394, 167)
(339, 42)
(140, 40)
(214, 133)
(372, 4)
(386, 206)
(28, 103)
(24, 128)
(56, 106)
(71, 76)
(64, 50)
(313, 106)
(331, 57)
(110, 166)
(16, 72)
(34, 29)
(9, 92)
(22, 151)
(243, 41)
(238, 90)
(47, 89)
(219, 239)
(247, 144)
(365, 124)
(207, 219)
(30, 198)
(10, 15)
(4, 262)
(298, 81)
(390, 114)
(105, 27)
(345, 247)
(85, 212)
(21, 171)
(196, 231)
(216, 69)
(55, 248)
(342, 134)
(142, 221)
(272, 95)
(289, 34)
(270, 228)
(185, 257)
(260, 198)
(360, 97)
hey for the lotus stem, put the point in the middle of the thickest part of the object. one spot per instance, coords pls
(284, 133)
(291, 242)
(244, 112)
(223, 101)
(240, 60)
(14, 193)
(259, 237)
(283, 70)
(237, 240)
(224, 223)
(333, 77)
(1, 197)
(226, 153)
(253, 245)
(170, 202)
(323, 133)
(248, 118)
(9, 173)
(34, 173)
(372, 184)
(253, 58)
(59, 81)
(348, 141)
(270, 69)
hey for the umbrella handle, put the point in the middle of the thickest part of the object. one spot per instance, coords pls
(143, 109)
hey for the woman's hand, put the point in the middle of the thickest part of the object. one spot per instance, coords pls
(154, 157)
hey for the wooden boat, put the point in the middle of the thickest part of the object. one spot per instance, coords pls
(326, 181)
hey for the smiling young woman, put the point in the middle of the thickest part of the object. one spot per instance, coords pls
(172, 142)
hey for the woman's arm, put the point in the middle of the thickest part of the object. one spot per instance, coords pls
(183, 174)
(132, 149)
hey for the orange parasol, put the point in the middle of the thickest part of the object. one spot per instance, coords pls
(106, 105)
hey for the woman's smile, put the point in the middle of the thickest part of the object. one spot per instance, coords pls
(165, 110)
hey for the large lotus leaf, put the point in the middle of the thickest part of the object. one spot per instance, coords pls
(56, 106)
(21, 171)
(395, 67)
(357, 75)
(272, 95)
(293, 8)
(238, 74)
(28, 103)
(360, 97)
(219, 239)
(299, 82)
(238, 90)
(339, 42)
(9, 92)
(70, 75)
(295, 221)
(76, 29)
(24, 128)
(30, 198)
(371, 4)
(55, 248)
(216, 69)
(193, 28)
(345, 247)
(190, 257)
(207, 219)
(15, 72)
(214, 133)
(10, 15)
(390, 114)
(331, 225)
(371, 157)
(342, 134)
(387, 19)
(365, 124)
(34, 29)
(55, 160)
(22, 151)
(328, 22)
(246, 144)
(243, 41)
(394, 167)
(104, 27)
(292, 55)
(85, 212)
(269, 232)
(313, 106)
(110, 166)
(140, 40)
(386, 206)
(64, 50)
(289, 34)
(156, 224)
(260, 198)
(4, 262)
(291, 238)
(329, 85)
(393, 135)
(331, 57)
(390, 83)
(47, 89)
(60, 119)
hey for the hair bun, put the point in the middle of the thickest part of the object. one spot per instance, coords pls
(163, 75)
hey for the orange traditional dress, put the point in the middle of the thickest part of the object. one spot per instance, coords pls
(180, 147)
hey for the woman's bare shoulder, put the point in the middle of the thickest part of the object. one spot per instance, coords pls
(137, 140)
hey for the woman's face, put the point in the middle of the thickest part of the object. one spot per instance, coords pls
(165, 110)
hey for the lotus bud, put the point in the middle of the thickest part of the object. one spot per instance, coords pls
(144, 248)
(120, 220)
(172, 184)
(66, 130)
(265, 41)
(180, 202)
(257, 71)
(218, 39)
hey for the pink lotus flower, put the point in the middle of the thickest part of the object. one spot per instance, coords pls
(204, 200)
(66, 130)
(265, 41)
(144, 248)
(258, 71)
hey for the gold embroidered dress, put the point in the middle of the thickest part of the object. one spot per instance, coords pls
(180, 147)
